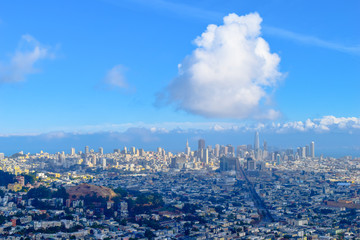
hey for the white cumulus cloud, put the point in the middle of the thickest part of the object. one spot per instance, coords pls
(229, 74)
(115, 78)
(22, 62)
(323, 124)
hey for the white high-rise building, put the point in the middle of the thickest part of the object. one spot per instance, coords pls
(72, 151)
(187, 149)
(104, 163)
(217, 150)
(312, 149)
(87, 150)
(2, 156)
(159, 150)
(201, 155)
(303, 152)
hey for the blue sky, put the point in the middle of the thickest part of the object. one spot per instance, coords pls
(102, 65)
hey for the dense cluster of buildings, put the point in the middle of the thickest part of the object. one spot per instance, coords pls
(220, 192)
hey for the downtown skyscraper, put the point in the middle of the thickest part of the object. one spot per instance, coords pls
(201, 149)
(257, 146)
(312, 149)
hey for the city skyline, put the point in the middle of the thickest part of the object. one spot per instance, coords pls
(201, 152)
(174, 142)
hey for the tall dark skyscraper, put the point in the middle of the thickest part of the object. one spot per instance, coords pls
(307, 151)
(201, 144)
(256, 141)
(201, 149)
(257, 146)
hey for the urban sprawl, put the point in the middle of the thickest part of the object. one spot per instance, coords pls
(214, 192)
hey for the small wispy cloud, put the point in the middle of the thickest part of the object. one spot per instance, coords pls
(115, 78)
(23, 61)
(325, 124)
(179, 9)
(318, 125)
(183, 9)
(54, 135)
(186, 10)
(311, 40)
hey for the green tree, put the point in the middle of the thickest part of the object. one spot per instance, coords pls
(61, 193)
(29, 178)
(190, 208)
(149, 234)
(40, 192)
(6, 178)
(122, 192)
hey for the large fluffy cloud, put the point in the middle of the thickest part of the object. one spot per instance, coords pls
(22, 63)
(229, 74)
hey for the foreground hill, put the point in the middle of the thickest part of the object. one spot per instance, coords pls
(86, 189)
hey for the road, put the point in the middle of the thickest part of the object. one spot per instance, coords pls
(259, 203)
